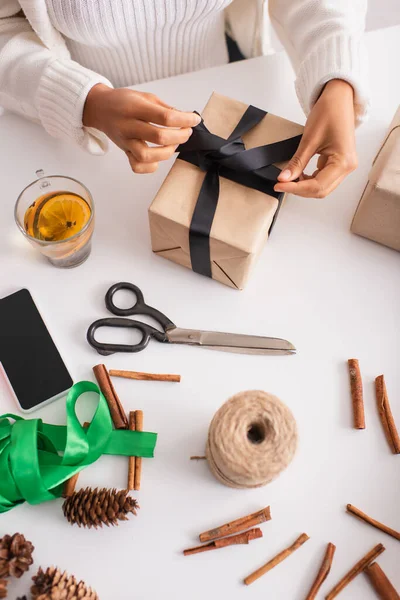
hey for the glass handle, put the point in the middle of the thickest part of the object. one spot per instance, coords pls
(45, 182)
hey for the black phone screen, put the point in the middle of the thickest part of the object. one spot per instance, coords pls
(28, 355)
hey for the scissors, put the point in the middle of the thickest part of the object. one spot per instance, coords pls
(171, 334)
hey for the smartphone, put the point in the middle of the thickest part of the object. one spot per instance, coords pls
(29, 359)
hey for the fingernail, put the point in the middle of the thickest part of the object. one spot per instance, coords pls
(286, 174)
(277, 188)
(197, 119)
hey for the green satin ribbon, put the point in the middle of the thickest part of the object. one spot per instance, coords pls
(37, 458)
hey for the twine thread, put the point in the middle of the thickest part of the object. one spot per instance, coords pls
(251, 440)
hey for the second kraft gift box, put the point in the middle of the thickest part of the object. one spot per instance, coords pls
(215, 209)
(378, 212)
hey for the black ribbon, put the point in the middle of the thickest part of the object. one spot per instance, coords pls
(229, 158)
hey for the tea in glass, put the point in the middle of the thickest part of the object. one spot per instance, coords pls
(56, 215)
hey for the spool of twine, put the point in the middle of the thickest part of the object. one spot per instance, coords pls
(252, 438)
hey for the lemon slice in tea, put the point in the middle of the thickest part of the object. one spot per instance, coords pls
(57, 216)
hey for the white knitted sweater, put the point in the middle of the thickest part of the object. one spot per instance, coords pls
(53, 52)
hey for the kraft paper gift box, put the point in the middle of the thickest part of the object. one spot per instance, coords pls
(378, 213)
(181, 228)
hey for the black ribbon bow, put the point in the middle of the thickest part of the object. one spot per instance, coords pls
(229, 158)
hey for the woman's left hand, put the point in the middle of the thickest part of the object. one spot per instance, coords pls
(329, 132)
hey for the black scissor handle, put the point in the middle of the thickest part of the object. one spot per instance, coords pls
(106, 349)
(139, 307)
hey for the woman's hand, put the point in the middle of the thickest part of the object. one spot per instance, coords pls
(131, 119)
(329, 132)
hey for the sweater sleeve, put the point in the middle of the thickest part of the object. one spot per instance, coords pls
(324, 40)
(43, 86)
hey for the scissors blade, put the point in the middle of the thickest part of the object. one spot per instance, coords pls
(231, 342)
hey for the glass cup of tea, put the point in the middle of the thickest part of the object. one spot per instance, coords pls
(56, 215)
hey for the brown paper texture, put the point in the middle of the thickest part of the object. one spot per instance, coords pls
(378, 213)
(243, 215)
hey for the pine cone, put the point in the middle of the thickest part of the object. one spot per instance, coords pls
(3, 588)
(15, 555)
(52, 584)
(93, 508)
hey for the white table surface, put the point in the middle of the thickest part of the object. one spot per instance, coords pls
(333, 294)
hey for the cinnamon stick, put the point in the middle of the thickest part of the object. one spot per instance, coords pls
(237, 526)
(70, 484)
(132, 459)
(276, 560)
(138, 461)
(145, 376)
(240, 538)
(356, 570)
(356, 393)
(117, 412)
(386, 416)
(381, 583)
(323, 572)
(358, 513)
(198, 458)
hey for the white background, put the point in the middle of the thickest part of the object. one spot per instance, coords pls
(334, 295)
(382, 13)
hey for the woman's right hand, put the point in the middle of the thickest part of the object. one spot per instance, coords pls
(131, 119)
